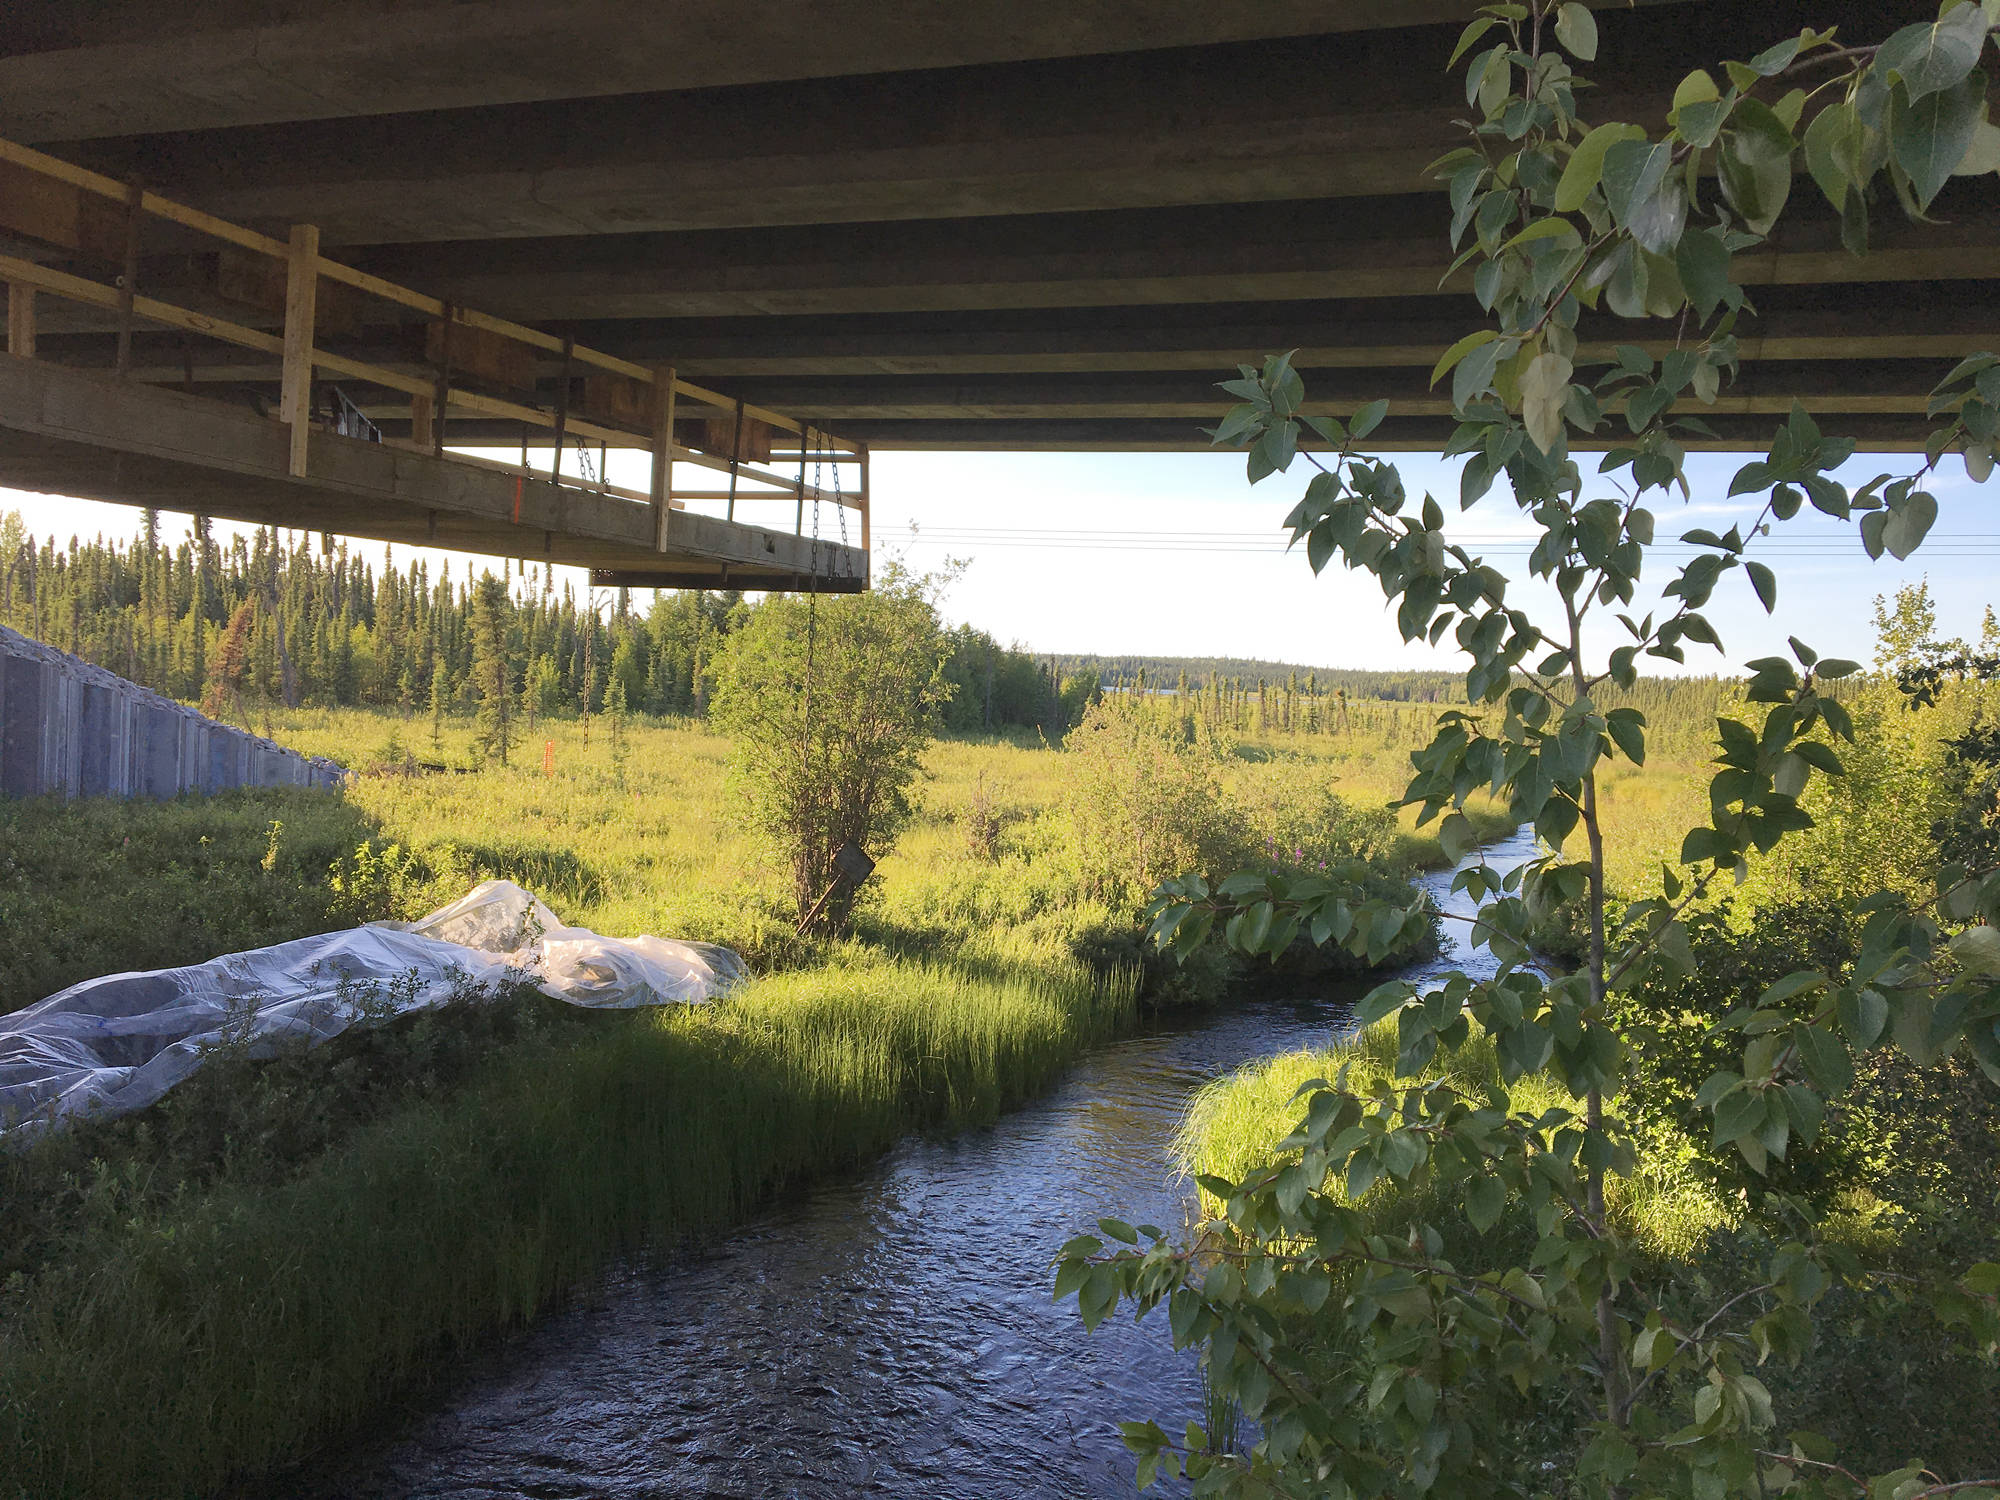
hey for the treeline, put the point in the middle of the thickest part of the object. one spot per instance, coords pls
(271, 619)
(1205, 672)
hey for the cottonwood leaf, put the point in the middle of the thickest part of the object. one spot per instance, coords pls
(1935, 57)
(1576, 30)
(1544, 389)
(1904, 530)
(1755, 165)
(1833, 151)
(1585, 168)
(1932, 135)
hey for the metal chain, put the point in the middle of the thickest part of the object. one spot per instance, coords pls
(584, 467)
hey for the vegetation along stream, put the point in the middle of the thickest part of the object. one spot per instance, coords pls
(889, 1335)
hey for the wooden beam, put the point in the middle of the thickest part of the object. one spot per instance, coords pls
(20, 320)
(301, 293)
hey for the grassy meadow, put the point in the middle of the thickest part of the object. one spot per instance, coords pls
(208, 1290)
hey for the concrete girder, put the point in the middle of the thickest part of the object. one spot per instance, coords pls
(73, 76)
(1348, 248)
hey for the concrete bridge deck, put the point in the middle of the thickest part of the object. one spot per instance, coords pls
(990, 224)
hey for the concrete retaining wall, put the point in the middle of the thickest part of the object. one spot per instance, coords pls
(69, 729)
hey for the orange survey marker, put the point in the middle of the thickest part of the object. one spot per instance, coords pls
(548, 757)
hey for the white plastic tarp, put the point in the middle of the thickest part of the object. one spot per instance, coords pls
(112, 1045)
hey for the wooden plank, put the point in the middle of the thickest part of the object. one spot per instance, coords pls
(60, 214)
(742, 436)
(382, 375)
(79, 289)
(301, 292)
(251, 280)
(619, 399)
(480, 353)
(20, 320)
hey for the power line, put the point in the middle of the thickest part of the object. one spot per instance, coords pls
(1968, 543)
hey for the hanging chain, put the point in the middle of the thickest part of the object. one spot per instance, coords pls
(584, 466)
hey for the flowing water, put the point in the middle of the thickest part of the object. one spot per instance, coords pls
(890, 1335)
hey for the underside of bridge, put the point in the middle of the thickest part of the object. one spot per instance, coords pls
(995, 224)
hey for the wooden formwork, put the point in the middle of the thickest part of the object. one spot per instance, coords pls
(108, 434)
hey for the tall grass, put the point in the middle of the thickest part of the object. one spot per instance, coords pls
(211, 1337)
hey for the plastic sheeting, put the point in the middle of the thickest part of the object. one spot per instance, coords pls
(110, 1046)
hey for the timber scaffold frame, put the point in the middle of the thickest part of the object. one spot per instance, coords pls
(118, 432)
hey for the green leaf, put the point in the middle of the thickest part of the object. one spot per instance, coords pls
(1755, 165)
(1703, 261)
(1485, 1199)
(1929, 59)
(1586, 167)
(1457, 836)
(1826, 1058)
(1576, 30)
(1544, 229)
(1904, 530)
(1459, 350)
(1645, 196)
(1472, 33)
(1627, 727)
(1738, 1114)
(1833, 150)
(1367, 418)
(1978, 949)
(1863, 1015)
(1765, 583)
(1544, 390)
(1931, 136)
(1474, 375)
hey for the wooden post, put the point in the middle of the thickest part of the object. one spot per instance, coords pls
(128, 284)
(805, 440)
(867, 565)
(562, 413)
(735, 458)
(441, 395)
(663, 455)
(301, 307)
(423, 422)
(20, 320)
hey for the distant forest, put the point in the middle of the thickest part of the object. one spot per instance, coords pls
(1166, 672)
(275, 618)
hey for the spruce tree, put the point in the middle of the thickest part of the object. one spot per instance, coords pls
(492, 678)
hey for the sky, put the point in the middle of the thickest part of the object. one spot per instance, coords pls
(1174, 554)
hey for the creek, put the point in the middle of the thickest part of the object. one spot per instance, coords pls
(888, 1335)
